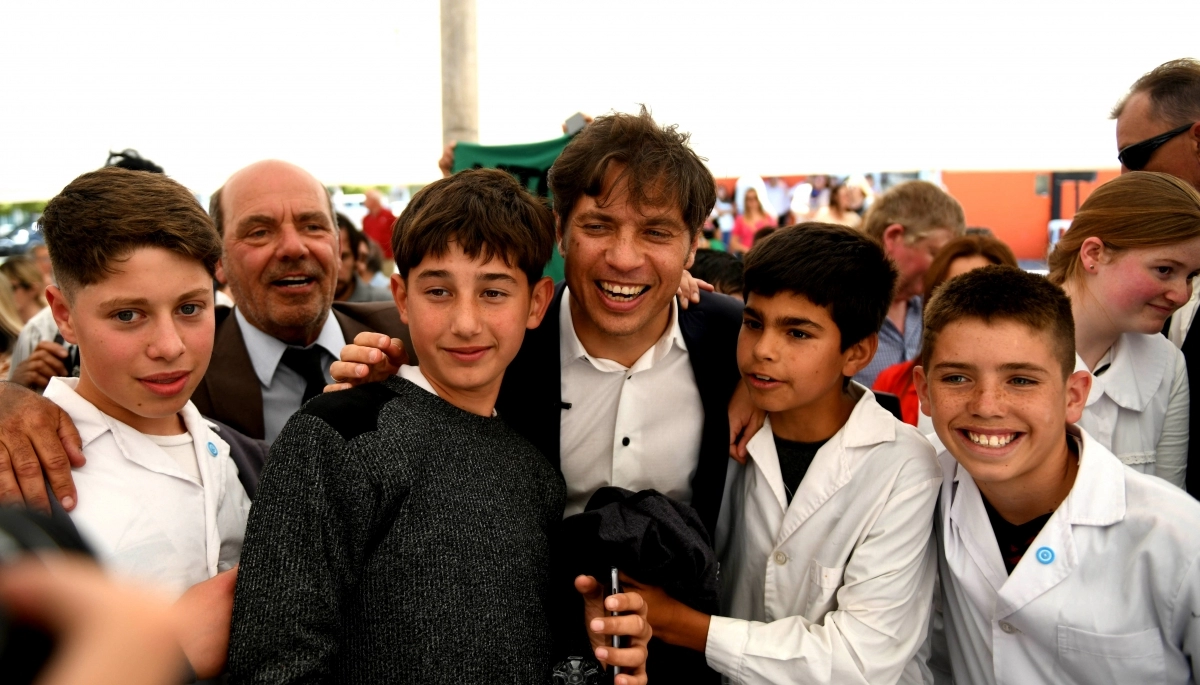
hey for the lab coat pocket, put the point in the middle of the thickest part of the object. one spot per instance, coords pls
(822, 591)
(1099, 659)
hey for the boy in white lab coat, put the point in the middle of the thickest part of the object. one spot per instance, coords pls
(1058, 564)
(133, 256)
(825, 534)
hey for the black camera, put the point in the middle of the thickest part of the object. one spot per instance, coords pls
(24, 649)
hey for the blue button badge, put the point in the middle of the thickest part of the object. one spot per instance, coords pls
(212, 449)
(1045, 555)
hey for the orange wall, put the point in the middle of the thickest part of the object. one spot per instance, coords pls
(1007, 203)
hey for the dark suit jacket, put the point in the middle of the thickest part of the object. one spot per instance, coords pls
(230, 392)
(1191, 345)
(531, 395)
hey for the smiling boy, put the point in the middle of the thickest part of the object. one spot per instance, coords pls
(1058, 564)
(133, 257)
(400, 532)
(825, 533)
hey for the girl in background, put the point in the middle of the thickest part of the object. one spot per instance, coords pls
(1127, 264)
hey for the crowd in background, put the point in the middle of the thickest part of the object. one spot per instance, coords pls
(874, 397)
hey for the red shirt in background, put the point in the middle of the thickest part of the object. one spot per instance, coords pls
(378, 227)
(897, 379)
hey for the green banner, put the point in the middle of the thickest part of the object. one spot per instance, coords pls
(528, 163)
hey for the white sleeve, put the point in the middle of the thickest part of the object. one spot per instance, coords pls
(1171, 453)
(880, 623)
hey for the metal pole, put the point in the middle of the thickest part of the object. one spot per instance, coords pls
(460, 83)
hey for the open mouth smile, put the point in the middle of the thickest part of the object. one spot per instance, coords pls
(761, 381)
(296, 282)
(996, 440)
(621, 293)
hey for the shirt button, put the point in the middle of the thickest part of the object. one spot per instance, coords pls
(625, 442)
(780, 558)
(1008, 627)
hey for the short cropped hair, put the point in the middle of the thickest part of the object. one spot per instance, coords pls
(486, 212)
(721, 269)
(104, 215)
(1003, 293)
(834, 267)
(660, 167)
(1174, 90)
(972, 245)
(918, 206)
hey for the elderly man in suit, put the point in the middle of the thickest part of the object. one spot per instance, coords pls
(272, 351)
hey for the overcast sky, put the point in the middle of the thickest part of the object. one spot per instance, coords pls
(350, 89)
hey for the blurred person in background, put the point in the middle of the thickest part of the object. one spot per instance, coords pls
(350, 286)
(377, 224)
(958, 257)
(819, 194)
(840, 209)
(779, 197)
(370, 263)
(41, 256)
(10, 325)
(724, 213)
(913, 221)
(1127, 263)
(28, 285)
(752, 217)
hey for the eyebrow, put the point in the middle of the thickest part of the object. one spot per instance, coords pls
(798, 321)
(431, 274)
(119, 302)
(496, 277)
(1011, 366)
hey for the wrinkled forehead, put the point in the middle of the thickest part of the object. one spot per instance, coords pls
(273, 190)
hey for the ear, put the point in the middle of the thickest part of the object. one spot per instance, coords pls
(219, 272)
(921, 383)
(399, 295)
(893, 238)
(560, 234)
(1079, 384)
(1092, 253)
(858, 355)
(691, 258)
(61, 310)
(539, 301)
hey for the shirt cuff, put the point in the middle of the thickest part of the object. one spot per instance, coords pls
(726, 645)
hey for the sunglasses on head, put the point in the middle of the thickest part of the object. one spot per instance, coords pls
(1135, 157)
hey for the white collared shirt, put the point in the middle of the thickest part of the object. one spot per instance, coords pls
(637, 427)
(143, 515)
(1108, 591)
(1181, 320)
(283, 388)
(836, 586)
(1138, 408)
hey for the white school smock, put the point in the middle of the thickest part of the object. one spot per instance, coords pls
(1107, 593)
(835, 587)
(143, 516)
(1138, 408)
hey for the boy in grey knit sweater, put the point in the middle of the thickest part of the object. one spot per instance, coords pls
(400, 531)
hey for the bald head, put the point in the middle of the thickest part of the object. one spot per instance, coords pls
(280, 249)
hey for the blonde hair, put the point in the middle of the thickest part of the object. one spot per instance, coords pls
(918, 206)
(10, 319)
(1139, 209)
(25, 271)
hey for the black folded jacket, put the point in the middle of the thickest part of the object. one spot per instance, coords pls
(652, 539)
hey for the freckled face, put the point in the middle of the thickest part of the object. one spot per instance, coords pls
(1140, 288)
(996, 394)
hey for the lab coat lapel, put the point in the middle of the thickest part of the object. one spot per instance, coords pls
(971, 530)
(766, 459)
(1097, 498)
(833, 465)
